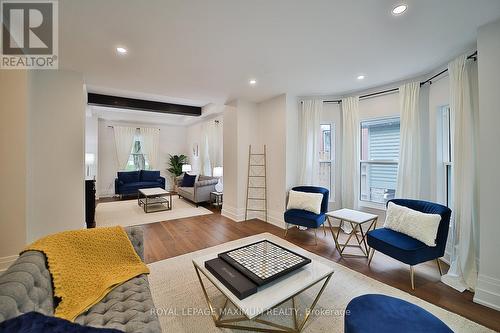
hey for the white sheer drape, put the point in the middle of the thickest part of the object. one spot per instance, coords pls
(410, 164)
(211, 147)
(124, 139)
(309, 136)
(151, 146)
(215, 144)
(350, 152)
(462, 274)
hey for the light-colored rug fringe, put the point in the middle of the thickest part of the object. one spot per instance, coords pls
(182, 308)
(127, 213)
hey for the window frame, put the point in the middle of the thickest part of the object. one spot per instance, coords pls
(332, 160)
(367, 203)
(146, 166)
(447, 154)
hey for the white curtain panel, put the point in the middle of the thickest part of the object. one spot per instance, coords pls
(124, 139)
(350, 152)
(151, 146)
(309, 136)
(410, 164)
(215, 143)
(206, 166)
(463, 234)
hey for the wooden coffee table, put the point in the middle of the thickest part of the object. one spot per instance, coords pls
(154, 199)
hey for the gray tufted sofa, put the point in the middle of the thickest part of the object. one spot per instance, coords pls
(26, 286)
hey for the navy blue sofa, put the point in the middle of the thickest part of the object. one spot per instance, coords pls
(407, 249)
(308, 219)
(129, 182)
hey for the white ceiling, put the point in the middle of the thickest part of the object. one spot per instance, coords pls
(202, 51)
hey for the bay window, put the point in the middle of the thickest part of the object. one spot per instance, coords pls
(379, 159)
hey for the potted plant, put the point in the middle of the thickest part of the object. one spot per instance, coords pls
(175, 163)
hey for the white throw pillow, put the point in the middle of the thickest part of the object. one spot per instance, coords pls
(413, 223)
(305, 201)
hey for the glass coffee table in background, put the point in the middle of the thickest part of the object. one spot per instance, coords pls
(154, 199)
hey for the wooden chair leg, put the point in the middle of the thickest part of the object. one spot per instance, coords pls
(315, 237)
(439, 267)
(412, 278)
(286, 229)
(324, 229)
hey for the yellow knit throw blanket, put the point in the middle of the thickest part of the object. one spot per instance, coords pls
(87, 264)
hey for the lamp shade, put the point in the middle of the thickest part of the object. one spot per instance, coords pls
(186, 167)
(89, 158)
(217, 172)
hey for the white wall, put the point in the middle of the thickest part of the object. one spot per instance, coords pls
(172, 141)
(13, 152)
(273, 123)
(91, 141)
(488, 45)
(230, 161)
(56, 143)
(272, 132)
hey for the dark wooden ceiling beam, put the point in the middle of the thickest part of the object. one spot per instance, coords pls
(142, 105)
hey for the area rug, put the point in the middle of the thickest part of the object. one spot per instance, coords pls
(127, 213)
(181, 306)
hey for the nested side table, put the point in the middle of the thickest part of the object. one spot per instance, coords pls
(356, 220)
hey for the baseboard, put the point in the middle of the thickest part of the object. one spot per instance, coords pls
(276, 218)
(487, 292)
(5, 262)
(232, 213)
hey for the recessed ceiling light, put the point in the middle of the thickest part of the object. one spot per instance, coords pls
(252, 82)
(361, 77)
(399, 9)
(121, 50)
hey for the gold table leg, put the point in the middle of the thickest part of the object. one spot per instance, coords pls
(361, 241)
(273, 327)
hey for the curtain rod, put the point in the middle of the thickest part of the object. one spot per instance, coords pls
(135, 128)
(429, 80)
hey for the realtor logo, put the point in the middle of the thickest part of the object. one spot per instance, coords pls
(29, 34)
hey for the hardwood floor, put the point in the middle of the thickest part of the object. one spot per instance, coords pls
(168, 239)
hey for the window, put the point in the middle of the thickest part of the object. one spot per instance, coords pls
(137, 160)
(326, 158)
(446, 150)
(379, 159)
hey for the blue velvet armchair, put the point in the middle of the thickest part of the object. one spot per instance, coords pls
(407, 249)
(308, 219)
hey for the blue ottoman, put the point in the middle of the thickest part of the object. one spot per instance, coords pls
(374, 313)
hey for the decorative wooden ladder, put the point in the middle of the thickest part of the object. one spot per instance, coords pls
(256, 182)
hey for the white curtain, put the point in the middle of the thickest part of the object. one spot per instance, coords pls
(463, 234)
(410, 164)
(309, 136)
(215, 143)
(206, 166)
(151, 146)
(350, 152)
(124, 139)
